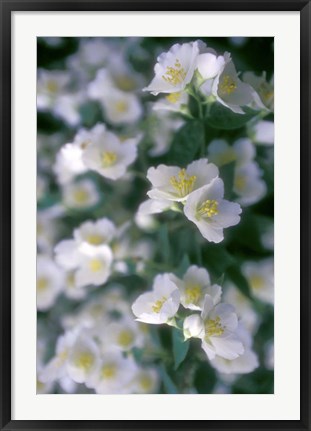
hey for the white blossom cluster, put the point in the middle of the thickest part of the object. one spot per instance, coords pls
(114, 203)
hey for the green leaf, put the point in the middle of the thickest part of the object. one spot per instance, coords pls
(168, 383)
(164, 243)
(217, 259)
(180, 347)
(89, 112)
(184, 265)
(226, 173)
(186, 143)
(205, 379)
(236, 276)
(221, 117)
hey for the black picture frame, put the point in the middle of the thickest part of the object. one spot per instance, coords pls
(7, 7)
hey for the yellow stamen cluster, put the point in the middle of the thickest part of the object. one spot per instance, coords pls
(124, 82)
(108, 158)
(52, 86)
(84, 361)
(95, 239)
(173, 97)
(80, 196)
(121, 106)
(228, 85)
(174, 75)
(240, 182)
(266, 92)
(256, 282)
(193, 294)
(209, 208)
(159, 304)
(125, 338)
(71, 280)
(183, 183)
(145, 383)
(214, 328)
(108, 371)
(95, 265)
(42, 283)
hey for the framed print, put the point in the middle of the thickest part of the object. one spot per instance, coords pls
(155, 242)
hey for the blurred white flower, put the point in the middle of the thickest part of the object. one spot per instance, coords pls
(95, 265)
(50, 282)
(207, 209)
(67, 107)
(68, 163)
(80, 194)
(108, 156)
(244, 309)
(55, 369)
(263, 93)
(121, 107)
(217, 328)
(248, 184)
(260, 276)
(50, 84)
(72, 290)
(194, 285)
(123, 335)
(175, 184)
(83, 359)
(168, 125)
(269, 355)
(146, 381)
(113, 374)
(160, 305)
(95, 233)
(263, 132)
(174, 69)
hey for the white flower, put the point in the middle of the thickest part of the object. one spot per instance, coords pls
(146, 381)
(81, 194)
(175, 184)
(121, 107)
(217, 328)
(50, 282)
(221, 153)
(83, 359)
(122, 335)
(196, 283)
(248, 184)
(243, 364)
(153, 206)
(230, 91)
(72, 290)
(96, 233)
(207, 209)
(260, 276)
(175, 102)
(113, 374)
(269, 355)
(168, 125)
(174, 69)
(264, 90)
(209, 64)
(49, 86)
(245, 311)
(68, 163)
(56, 368)
(67, 254)
(67, 107)
(160, 305)
(263, 132)
(95, 265)
(108, 156)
